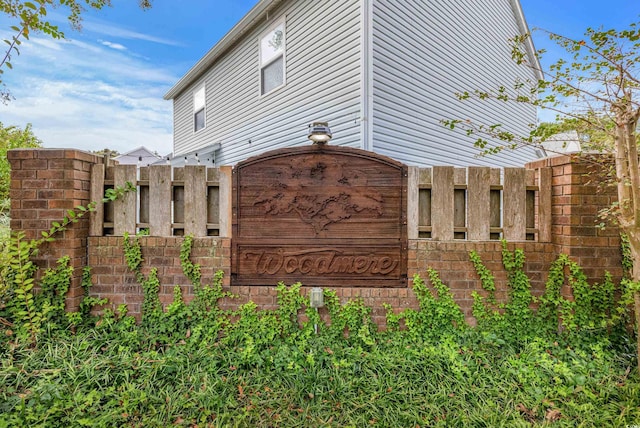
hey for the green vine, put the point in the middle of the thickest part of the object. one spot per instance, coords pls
(518, 309)
(593, 307)
(351, 320)
(437, 315)
(201, 319)
(190, 270)
(88, 302)
(133, 255)
(627, 259)
(21, 308)
(486, 277)
(514, 316)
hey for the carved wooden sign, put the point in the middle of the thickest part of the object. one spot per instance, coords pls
(321, 215)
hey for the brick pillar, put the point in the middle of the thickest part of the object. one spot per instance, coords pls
(45, 183)
(579, 192)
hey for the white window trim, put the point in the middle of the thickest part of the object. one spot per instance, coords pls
(199, 88)
(277, 23)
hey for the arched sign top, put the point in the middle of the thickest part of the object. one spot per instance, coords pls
(323, 215)
(315, 149)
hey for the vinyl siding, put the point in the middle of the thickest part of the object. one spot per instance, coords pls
(425, 52)
(323, 82)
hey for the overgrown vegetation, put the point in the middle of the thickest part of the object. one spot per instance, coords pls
(567, 363)
(24, 313)
(11, 137)
(594, 89)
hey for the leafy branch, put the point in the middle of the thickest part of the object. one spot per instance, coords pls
(596, 85)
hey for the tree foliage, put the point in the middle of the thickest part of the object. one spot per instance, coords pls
(594, 86)
(13, 137)
(112, 153)
(27, 17)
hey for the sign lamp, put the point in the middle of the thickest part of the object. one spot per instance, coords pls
(319, 132)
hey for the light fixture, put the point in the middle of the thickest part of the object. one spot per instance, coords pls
(316, 300)
(319, 133)
(316, 297)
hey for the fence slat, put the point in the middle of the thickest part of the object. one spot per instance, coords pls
(515, 204)
(496, 202)
(460, 176)
(479, 194)
(443, 203)
(425, 176)
(160, 200)
(143, 196)
(424, 214)
(125, 207)
(225, 194)
(413, 204)
(213, 201)
(544, 205)
(96, 218)
(195, 201)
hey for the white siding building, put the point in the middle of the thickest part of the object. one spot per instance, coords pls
(383, 73)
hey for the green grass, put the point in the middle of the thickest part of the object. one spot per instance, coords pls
(93, 379)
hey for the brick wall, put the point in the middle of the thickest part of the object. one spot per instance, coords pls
(114, 281)
(451, 261)
(45, 183)
(579, 192)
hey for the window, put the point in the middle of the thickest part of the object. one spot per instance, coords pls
(272, 64)
(198, 109)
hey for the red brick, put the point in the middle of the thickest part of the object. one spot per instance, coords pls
(51, 153)
(17, 154)
(51, 214)
(51, 194)
(37, 164)
(61, 203)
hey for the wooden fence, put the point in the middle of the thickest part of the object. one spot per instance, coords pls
(479, 203)
(192, 200)
(443, 203)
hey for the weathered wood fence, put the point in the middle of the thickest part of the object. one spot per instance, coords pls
(192, 200)
(479, 203)
(443, 203)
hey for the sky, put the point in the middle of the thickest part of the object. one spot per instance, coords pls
(102, 87)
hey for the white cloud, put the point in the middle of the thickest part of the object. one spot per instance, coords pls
(92, 115)
(116, 46)
(89, 96)
(114, 31)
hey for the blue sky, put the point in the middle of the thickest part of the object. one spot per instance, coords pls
(103, 87)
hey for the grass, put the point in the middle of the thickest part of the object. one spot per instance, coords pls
(93, 379)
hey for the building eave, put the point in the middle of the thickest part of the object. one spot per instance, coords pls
(249, 21)
(529, 46)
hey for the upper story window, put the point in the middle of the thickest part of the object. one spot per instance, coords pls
(199, 109)
(272, 61)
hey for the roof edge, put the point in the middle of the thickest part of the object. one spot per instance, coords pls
(246, 23)
(529, 46)
(136, 149)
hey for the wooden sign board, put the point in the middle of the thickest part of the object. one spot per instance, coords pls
(321, 215)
